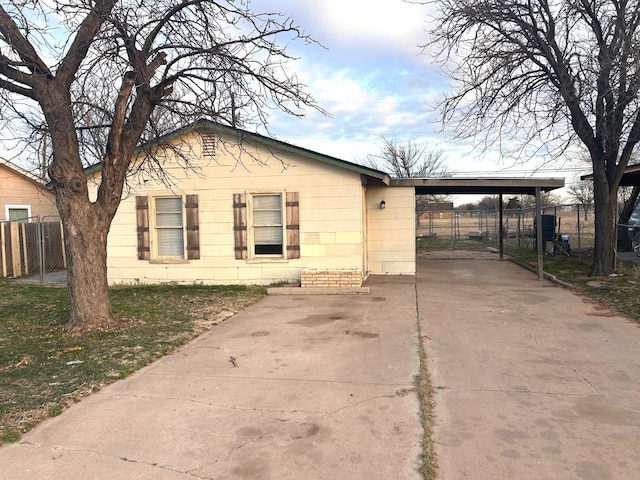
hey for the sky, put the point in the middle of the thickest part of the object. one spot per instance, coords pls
(372, 76)
(375, 80)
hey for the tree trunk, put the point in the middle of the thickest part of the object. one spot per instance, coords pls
(604, 247)
(86, 249)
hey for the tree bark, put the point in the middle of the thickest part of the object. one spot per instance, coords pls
(604, 247)
(86, 248)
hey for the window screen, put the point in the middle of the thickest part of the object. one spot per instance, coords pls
(267, 224)
(169, 231)
(18, 213)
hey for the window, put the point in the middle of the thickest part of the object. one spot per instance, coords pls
(263, 235)
(18, 212)
(169, 234)
(175, 220)
(267, 225)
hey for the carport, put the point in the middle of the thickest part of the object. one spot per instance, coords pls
(489, 186)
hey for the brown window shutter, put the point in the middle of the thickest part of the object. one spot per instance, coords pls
(240, 225)
(193, 228)
(293, 225)
(142, 224)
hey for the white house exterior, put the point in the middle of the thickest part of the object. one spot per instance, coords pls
(253, 210)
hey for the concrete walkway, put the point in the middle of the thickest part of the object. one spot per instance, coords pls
(531, 381)
(322, 388)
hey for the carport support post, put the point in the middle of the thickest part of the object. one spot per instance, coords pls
(539, 235)
(501, 207)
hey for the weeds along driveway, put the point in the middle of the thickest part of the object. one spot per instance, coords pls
(530, 381)
(313, 387)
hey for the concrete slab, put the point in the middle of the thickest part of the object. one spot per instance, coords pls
(322, 387)
(531, 381)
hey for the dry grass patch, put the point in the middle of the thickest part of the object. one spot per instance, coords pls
(43, 370)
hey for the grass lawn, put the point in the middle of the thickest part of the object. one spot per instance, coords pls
(44, 370)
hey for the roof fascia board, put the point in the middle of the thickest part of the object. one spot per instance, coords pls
(477, 185)
(23, 173)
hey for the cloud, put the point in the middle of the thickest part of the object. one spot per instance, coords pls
(375, 80)
(371, 77)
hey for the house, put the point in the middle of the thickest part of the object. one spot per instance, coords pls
(249, 209)
(23, 195)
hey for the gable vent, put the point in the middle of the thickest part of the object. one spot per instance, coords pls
(208, 145)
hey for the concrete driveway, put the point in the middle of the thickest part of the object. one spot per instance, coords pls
(322, 388)
(531, 381)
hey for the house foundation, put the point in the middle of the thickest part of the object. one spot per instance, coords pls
(315, 278)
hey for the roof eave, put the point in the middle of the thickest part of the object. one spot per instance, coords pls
(479, 185)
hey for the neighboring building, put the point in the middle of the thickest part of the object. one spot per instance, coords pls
(439, 210)
(23, 195)
(254, 210)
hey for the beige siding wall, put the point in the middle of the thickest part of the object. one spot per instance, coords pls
(391, 232)
(331, 219)
(17, 190)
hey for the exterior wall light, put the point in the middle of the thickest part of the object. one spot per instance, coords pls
(382, 205)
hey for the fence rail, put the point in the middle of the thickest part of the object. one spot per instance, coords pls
(32, 247)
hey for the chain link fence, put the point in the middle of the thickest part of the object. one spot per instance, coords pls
(575, 222)
(33, 249)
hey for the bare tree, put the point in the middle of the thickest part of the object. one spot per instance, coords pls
(99, 77)
(409, 159)
(582, 192)
(547, 199)
(550, 72)
(412, 160)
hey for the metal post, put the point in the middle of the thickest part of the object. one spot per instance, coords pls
(539, 235)
(519, 243)
(615, 230)
(41, 249)
(500, 233)
(579, 232)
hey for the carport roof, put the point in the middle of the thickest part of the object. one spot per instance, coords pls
(482, 186)
(630, 178)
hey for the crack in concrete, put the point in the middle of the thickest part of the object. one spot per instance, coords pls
(227, 407)
(290, 426)
(271, 379)
(357, 404)
(119, 457)
(504, 390)
(586, 380)
(226, 454)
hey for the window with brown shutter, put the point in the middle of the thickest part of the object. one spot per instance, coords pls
(268, 226)
(168, 222)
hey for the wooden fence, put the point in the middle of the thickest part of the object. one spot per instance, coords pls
(26, 247)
